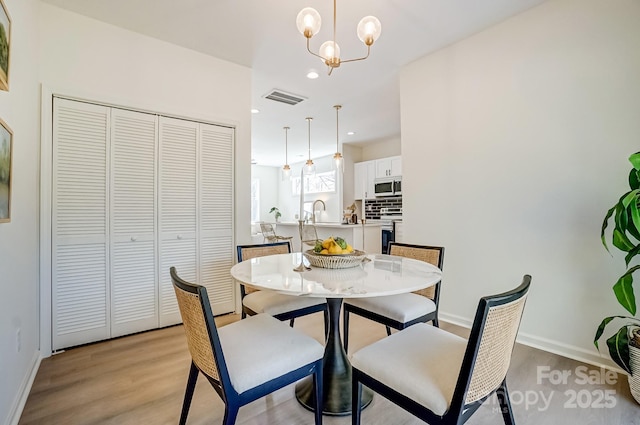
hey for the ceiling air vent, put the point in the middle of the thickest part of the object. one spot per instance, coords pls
(284, 97)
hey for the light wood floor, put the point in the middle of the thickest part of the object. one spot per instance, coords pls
(140, 379)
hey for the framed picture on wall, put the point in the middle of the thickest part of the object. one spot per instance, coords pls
(5, 45)
(6, 151)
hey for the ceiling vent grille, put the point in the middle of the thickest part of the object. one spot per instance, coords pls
(284, 97)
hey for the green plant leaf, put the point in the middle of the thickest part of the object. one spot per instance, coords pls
(605, 223)
(630, 196)
(623, 289)
(634, 179)
(621, 241)
(603, 325)
(619, 348)
(633, 231)
(635, 160)
(635, 251)
(635, 212)
(621, 217)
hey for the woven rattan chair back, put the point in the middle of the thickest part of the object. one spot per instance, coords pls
(196, 327)
(484, 365)
(494, 353)
(430, 254)
(247, 252)
(491, 341)
(309, 235)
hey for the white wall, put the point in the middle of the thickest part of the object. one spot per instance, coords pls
(514, 145)
(86, 58)
(381, 149)
(83, 57)
(269, 189)
(19, 108)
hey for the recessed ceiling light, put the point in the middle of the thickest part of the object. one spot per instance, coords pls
(255, 111)
(312, 75)
(351, 133)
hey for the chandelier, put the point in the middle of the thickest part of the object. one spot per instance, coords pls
(309, 22)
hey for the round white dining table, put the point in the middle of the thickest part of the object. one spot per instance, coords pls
(383, 275)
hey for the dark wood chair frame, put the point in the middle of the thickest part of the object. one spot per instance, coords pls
(289, 315)
(232, 399)
(387, 322)
(458, 412)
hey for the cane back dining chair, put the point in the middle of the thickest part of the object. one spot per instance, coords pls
(401, 310)
(280, 306)
(440, 377)
(269, 234)
(309, 235)
(245, 360)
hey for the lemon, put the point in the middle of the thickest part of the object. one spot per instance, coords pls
(335, 249)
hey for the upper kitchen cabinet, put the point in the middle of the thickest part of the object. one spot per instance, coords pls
(363, 176)
(389, 167)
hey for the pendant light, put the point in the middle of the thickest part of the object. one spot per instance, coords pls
(309, 167)
(338, 160)
(286, 170)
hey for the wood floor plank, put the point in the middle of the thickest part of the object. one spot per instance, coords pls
(140, 379)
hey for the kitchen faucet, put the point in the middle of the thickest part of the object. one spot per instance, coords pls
(313, 209)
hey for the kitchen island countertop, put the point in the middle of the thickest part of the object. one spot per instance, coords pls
(352, 233)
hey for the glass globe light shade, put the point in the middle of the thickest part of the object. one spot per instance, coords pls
(330, 50)
(286, 172)
(308, 22)
(309, 168)
(338, 161)
(369, 29)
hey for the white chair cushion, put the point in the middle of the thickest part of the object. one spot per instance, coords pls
(421, 362)
(273, 303)
(400, 307)
(260, 348)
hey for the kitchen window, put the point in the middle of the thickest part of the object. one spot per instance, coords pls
(318, 183)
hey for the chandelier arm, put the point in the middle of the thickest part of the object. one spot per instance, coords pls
(314, 54)
(358, 59)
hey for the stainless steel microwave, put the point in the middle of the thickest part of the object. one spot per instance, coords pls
(388, 186)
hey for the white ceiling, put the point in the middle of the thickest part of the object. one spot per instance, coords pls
(262, 34)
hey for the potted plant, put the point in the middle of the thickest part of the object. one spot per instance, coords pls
(624, 345)
(276, 213)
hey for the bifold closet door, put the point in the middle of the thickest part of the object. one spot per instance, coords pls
(177, 208)
(216, 216)
(80, 225)
(134, 289)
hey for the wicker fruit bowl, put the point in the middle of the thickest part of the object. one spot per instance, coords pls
(335, 261)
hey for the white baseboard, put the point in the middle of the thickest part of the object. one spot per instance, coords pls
(570, 351)
(25, 389)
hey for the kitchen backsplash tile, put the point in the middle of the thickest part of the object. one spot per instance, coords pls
(372, 206)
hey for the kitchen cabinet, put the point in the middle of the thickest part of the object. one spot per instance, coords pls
(389, 167)
(364, 174)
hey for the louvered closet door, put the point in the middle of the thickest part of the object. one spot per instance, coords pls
(134, 305)
(80, 266)
(178, 168)
(216, 216)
